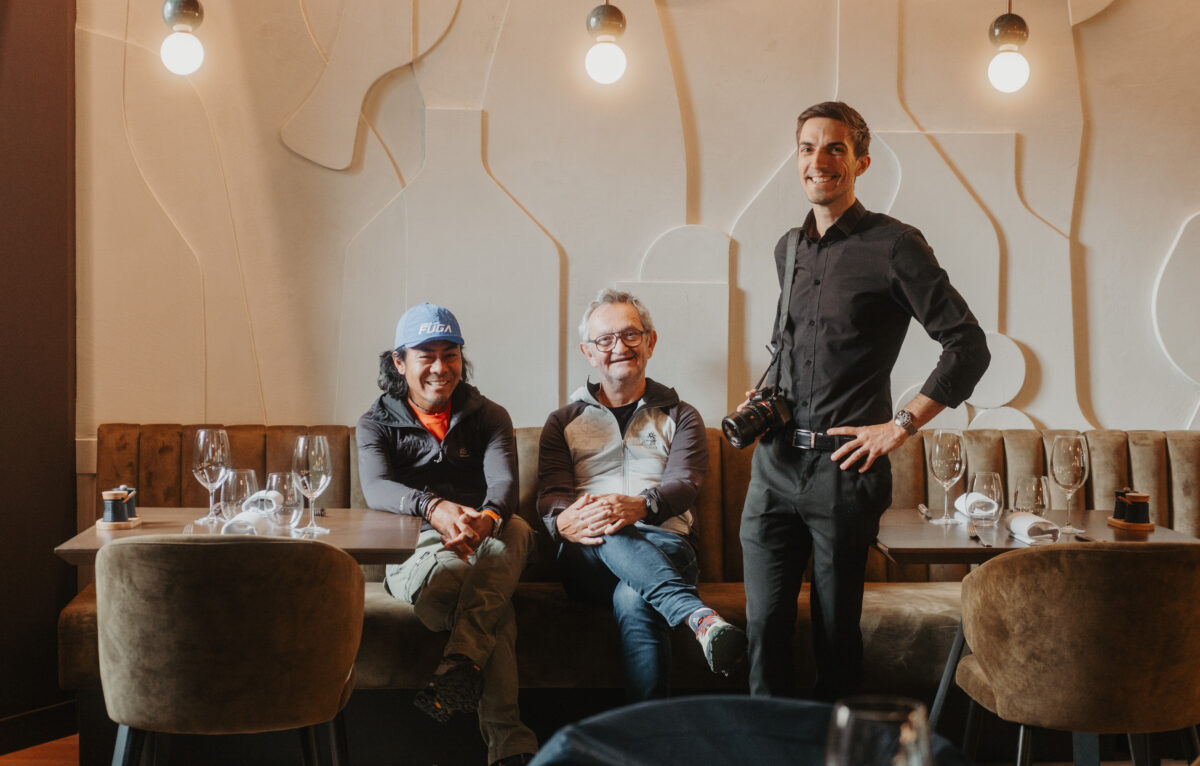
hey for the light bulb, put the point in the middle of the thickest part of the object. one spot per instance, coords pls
(1009, 71)
(605, 62)
(182, 52)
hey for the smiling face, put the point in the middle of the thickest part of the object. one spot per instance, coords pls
(828, 165)
(620, 367)
(432, 371)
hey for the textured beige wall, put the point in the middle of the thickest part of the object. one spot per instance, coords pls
(248, 235)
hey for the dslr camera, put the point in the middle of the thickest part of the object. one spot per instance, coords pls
(766, 411)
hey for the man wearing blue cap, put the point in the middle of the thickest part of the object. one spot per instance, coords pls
(433, 446)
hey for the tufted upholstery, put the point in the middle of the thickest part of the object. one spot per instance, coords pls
(910, 613)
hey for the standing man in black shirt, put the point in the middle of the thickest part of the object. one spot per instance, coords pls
(819, 485)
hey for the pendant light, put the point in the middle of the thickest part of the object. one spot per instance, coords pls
(1009, 71)
(181, 51)
(605, 62)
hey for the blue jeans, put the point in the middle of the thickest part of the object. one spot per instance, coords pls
(648, 577)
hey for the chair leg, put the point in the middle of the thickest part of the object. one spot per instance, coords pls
(308, 746)
(162, 748)
(939, 701)
(1191, 743)
(972, 729)
(128, 749)
(149, 750)
(337, 740)
(1025, 746)
(1085, 748)
(1141, 750)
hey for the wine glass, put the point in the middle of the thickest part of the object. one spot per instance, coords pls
(878, 731)
(948, 465)
(1033, 495)
(210, 466)
(237, 488)
(287, 514)
(314, 469)
(1069, 467)
(989, 485)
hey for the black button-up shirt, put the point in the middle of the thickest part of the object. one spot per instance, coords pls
(854, 291)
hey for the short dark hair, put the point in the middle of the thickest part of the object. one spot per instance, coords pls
(393, 383)
(860, 134)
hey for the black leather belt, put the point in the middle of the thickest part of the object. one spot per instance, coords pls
(802, 439)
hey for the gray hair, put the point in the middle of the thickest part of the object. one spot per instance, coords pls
(607, 296)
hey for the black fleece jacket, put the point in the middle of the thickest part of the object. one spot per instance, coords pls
(400, 464)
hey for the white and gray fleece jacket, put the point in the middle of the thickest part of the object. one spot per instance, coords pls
(662, 456)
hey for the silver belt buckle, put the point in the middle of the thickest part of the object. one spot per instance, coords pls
(797, 439)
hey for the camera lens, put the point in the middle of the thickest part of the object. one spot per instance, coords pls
(742, 428)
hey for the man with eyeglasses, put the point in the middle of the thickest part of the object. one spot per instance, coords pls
(620, 467)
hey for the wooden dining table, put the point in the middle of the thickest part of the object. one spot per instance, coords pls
(370, 537)
(907, 537)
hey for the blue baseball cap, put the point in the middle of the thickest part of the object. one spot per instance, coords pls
(426, 323)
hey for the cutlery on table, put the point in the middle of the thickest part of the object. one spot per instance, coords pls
(973, 533)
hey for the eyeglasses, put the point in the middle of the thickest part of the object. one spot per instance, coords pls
(631, 339)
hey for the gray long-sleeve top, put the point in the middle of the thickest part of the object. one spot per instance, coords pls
(662, 456)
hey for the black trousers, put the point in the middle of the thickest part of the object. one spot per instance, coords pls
(800, 504)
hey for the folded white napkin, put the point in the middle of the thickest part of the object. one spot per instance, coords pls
(1032, 529)
(976, 504)
(247, 523)
(263, 501)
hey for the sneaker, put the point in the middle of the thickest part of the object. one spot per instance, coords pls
(455, 688)
(724, 644)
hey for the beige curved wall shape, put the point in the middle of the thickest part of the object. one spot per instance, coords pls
(263, 283)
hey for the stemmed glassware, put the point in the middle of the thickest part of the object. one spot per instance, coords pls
(237, 489)
(287, 514)
(1032, 495)
(989, 485)
(313, 468)
(878, 731)
(210, 465)
(1069, 466)
(948, 464)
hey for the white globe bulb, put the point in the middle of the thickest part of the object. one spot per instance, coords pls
(182, 52)
(605, 63)
(1008, 72)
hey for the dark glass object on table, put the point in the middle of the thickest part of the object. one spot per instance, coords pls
(716, 730)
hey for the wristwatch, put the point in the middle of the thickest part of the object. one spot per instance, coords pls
(497, 520)
(904, 419)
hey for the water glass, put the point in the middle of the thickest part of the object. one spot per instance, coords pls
(237, 489)
(878, 731)
(947, 461)
(988, 485)
(1069, 461)
(1032, 495)
(313, 466)
(210, 466)
(287, 514)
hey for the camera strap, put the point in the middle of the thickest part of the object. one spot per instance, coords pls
(785, 300)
